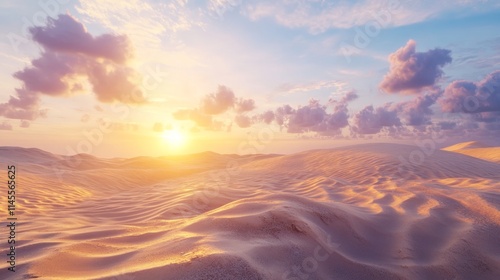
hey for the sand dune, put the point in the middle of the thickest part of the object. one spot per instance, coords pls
(360, 212)
(477, 150)
(466, 146)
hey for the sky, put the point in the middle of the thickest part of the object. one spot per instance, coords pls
(129, 78)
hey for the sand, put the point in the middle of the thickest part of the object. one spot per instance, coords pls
(374, 211)
(477, 150)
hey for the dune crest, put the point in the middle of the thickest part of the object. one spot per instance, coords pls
(466, 145)
(477, 150)
(359, 212)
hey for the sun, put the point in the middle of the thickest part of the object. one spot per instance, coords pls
(174, 138)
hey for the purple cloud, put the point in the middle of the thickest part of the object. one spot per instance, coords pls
(24, 106)
(243, 121)
(267, 117)
(411, 71)
(372, 120)
(24, 124)
(69, 55)
(282, 113)
(307, 118)
(5, 126)
(48, 74)
(66, 34)
(417, 111)
(326, 119)
(447, 125)
(218, 102)
(470, 97)
(244, 105)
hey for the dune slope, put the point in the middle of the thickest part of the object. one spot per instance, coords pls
(373, 211)
(477, 150)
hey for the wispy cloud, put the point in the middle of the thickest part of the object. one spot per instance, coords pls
(333, 85)
(146, 23)
(319, 16)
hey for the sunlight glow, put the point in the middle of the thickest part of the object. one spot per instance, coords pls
(174, 138)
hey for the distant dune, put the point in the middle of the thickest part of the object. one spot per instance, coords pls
(477, 150)
(374, 211)
(466, 146)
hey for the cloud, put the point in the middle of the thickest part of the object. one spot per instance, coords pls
(70, 56)
(319, 16)
(267, 117)
(392, 118)
(24, 106)
(315, 16)
(470, 97)
(456, 96)
(144, 21)
(221, 101)
(325, 119)
(65, 34)
(307, 118)
(447, 125)
(372, 120)
(243, 121)
(219, 7)
(411, 71)
(118, 126)
(282, 113)
(112, 82)
(24, 124)
(218, 102)
(5, 126)
(417, 111)
(486, 117)
(199, 118)
(49, 74)
(312, 86)
(348, 97)
(244, 105)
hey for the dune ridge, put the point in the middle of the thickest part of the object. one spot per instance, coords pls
(357, 212)
(477, 150)
(466, 146)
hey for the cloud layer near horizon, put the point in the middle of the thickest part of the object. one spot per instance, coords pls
(217, 103)
(431, 110)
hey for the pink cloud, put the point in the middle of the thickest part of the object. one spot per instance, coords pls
(372, 120)
(417, 111)
(243, 121)
(471, 97)
(267, 117)
(69, 55)
(25, 124)
(325, 119)
(219, 101)
(66, 34)
(5, 126)
(412, 71)
(244, 105)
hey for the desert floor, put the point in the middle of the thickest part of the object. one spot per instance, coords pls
(374, 211)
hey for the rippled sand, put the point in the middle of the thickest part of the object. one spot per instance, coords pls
(348, 213)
